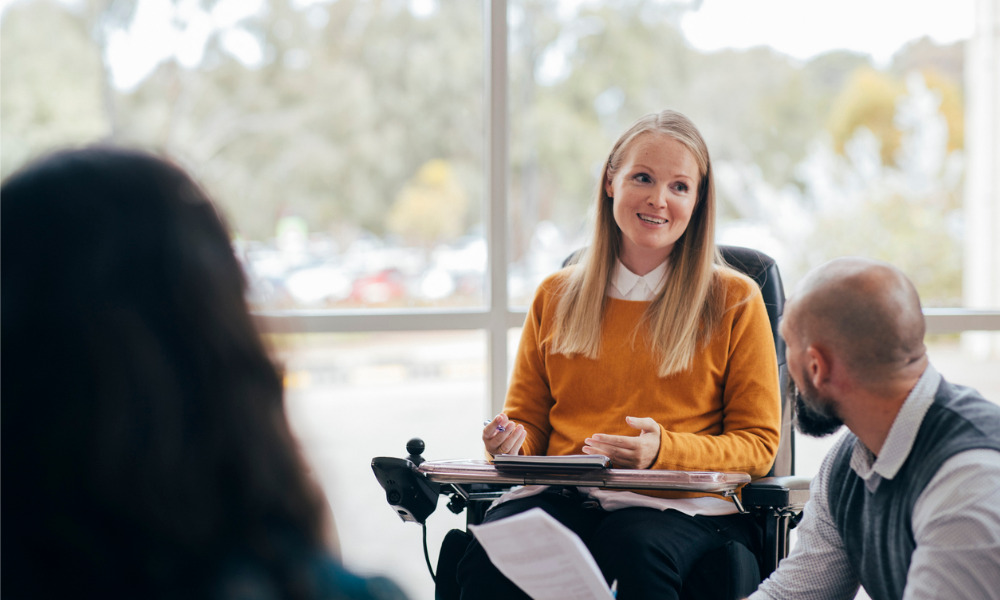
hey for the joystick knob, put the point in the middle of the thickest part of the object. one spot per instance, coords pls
(415, 447)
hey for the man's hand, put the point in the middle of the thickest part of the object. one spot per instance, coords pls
(629, 452)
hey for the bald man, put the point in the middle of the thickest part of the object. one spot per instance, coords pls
(907, 503)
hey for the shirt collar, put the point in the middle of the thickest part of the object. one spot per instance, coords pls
(902, 434)
(630, 286)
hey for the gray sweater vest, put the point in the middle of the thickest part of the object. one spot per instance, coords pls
(876, 528)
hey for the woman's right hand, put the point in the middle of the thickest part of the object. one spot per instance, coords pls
(503, 436)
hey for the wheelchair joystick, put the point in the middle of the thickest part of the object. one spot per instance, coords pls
(415, 447)
(411, 494)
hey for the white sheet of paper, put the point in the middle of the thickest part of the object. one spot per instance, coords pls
(543, 557)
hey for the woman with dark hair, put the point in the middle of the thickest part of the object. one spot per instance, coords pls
(651, 351)
(146, 452)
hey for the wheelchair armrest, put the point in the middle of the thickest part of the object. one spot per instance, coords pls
(413, 495)
(783, 493)
(778, 503)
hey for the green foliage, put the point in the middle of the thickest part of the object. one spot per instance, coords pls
(51, 97)
(354, 97)
(330, 127)
(912, 233)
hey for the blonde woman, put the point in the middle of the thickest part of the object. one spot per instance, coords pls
(649, 351)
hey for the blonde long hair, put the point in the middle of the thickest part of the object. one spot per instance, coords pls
(685, 312)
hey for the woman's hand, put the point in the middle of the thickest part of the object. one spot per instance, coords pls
(503, 436)
(629, 452)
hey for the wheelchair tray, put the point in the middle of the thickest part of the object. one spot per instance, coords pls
(482, 471)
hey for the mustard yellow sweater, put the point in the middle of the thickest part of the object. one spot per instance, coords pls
(722, 414)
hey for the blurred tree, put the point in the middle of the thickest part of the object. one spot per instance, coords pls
(868, 100)
(52, 84)
(593, 73)
(431, 208)
(533, 38)
(758, 116)
(908, 212)
(924, 54)
(345, 101)
(922, 243)
(952, 105)
(329, 126)
(576, 84)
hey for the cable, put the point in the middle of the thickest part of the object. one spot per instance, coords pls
(427, 556)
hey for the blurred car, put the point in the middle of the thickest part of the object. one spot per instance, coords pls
(318, 285)
(382, 287)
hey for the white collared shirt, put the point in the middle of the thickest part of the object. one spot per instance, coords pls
(626, 285)
(955, 521)
(871, 469)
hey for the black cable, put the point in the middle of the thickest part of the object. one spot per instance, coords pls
(427, 556)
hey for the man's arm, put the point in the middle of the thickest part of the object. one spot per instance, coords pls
(817, 567)
(956, 526)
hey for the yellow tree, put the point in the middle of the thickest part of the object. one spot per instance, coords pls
(868, 100)
(431, 207)
(952, 106)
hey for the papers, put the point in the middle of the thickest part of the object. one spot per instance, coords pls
(543, 557)
(567, 462)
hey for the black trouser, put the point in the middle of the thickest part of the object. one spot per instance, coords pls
(648, 551)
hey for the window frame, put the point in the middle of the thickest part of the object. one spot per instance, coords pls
(498, 317)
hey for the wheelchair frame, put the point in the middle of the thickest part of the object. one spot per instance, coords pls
(413, 485)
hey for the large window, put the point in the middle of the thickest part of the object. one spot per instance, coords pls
(826, 140)
(343, 139)
(399, 175)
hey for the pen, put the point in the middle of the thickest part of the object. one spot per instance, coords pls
(614, 588)
(499, 427)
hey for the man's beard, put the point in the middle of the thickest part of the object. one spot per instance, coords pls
(814, 416)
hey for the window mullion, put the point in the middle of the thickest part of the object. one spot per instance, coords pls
(496, 226)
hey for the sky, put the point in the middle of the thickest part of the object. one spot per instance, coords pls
(803, 28)
(798, 28)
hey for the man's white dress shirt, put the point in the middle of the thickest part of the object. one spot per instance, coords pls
(956, 522)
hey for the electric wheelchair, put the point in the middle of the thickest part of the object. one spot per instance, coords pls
(413, 485)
